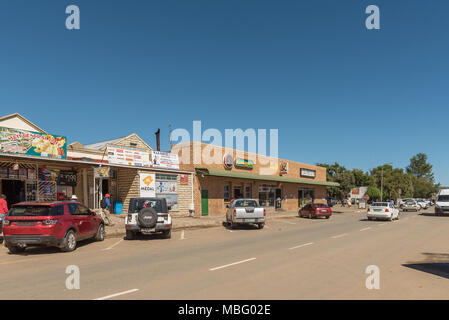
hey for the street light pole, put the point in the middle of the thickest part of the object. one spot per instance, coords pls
(382, 185)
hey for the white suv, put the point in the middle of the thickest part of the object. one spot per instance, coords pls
(442, 202)
(147, 216)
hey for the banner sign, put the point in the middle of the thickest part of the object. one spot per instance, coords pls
(16, 141)
(147, 184)
(164, 160)
(128, 156)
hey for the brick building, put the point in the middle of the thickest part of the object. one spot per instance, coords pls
(224, 174)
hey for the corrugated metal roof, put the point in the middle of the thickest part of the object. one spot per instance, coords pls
(253, 176)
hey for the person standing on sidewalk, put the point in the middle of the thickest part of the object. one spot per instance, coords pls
(3, 211)
(105, 205)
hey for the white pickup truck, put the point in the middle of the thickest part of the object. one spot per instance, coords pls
(245, 211)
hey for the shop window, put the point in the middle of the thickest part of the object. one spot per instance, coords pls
(166, 177)
(226, 194)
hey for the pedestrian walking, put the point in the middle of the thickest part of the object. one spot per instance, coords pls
(105, 205)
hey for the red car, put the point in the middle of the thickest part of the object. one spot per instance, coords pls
(315, 210)
(58, 224)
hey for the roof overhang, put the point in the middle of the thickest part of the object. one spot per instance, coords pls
(253, 176)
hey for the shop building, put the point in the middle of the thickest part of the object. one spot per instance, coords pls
(128, 167)
(229, 174)
(35, 165)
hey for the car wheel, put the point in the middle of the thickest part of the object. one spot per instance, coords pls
(99, 236)
(327, 217)
(231, 224)
(261, 225)
(167, 234)
(130, 235)
(69, 242)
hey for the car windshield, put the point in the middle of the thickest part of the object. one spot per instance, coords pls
(380, 204)
(246, 203)
(21, 211)
(443, 198)
(410, 202)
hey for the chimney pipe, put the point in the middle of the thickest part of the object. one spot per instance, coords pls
(158, 140)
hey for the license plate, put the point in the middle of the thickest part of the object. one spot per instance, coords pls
(324, 211)
(25, 224)
(250, 220)
(377, 210)
(148, 229)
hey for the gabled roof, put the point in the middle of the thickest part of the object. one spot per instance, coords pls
(17, 115)
(102, 144)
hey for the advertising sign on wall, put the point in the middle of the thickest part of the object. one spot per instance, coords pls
(67, 178)
(167, 187)
(102, 172)
(244, 163)
(184, 179)
(164, 160)
(307, 173)
(15, 141)
(128, 156)
(147, 184)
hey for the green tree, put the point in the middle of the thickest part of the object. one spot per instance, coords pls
(373, 193)
(419, 167)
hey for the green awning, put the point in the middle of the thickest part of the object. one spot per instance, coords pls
(252, 176)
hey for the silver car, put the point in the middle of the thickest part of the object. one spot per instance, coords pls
(411, 205)
(245, 211)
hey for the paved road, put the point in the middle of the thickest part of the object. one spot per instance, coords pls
(292, 258)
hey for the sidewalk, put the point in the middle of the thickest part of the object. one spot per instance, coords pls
(183, 222)
(210, 221)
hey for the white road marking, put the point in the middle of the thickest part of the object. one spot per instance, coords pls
(182, 235)
(232, 264)
(339, 236)
(365, 229)
(117, 294)
(302, 245)
(109, 248)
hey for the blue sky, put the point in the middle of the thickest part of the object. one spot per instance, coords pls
(336, 91)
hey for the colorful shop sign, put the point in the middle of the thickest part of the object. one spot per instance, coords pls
(283, 168)
(102, 172)
(15, 141)
(147, 184)
(228, 160)
(164, 160)
(244, 163)
(128, 156)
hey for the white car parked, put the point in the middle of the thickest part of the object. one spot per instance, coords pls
(383, 211)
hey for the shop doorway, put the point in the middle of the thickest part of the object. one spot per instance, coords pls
(305, 196)
(204, 202)
(14, 190)
(238, 192)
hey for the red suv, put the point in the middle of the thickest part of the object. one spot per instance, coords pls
(316, 210)
(59, 224)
